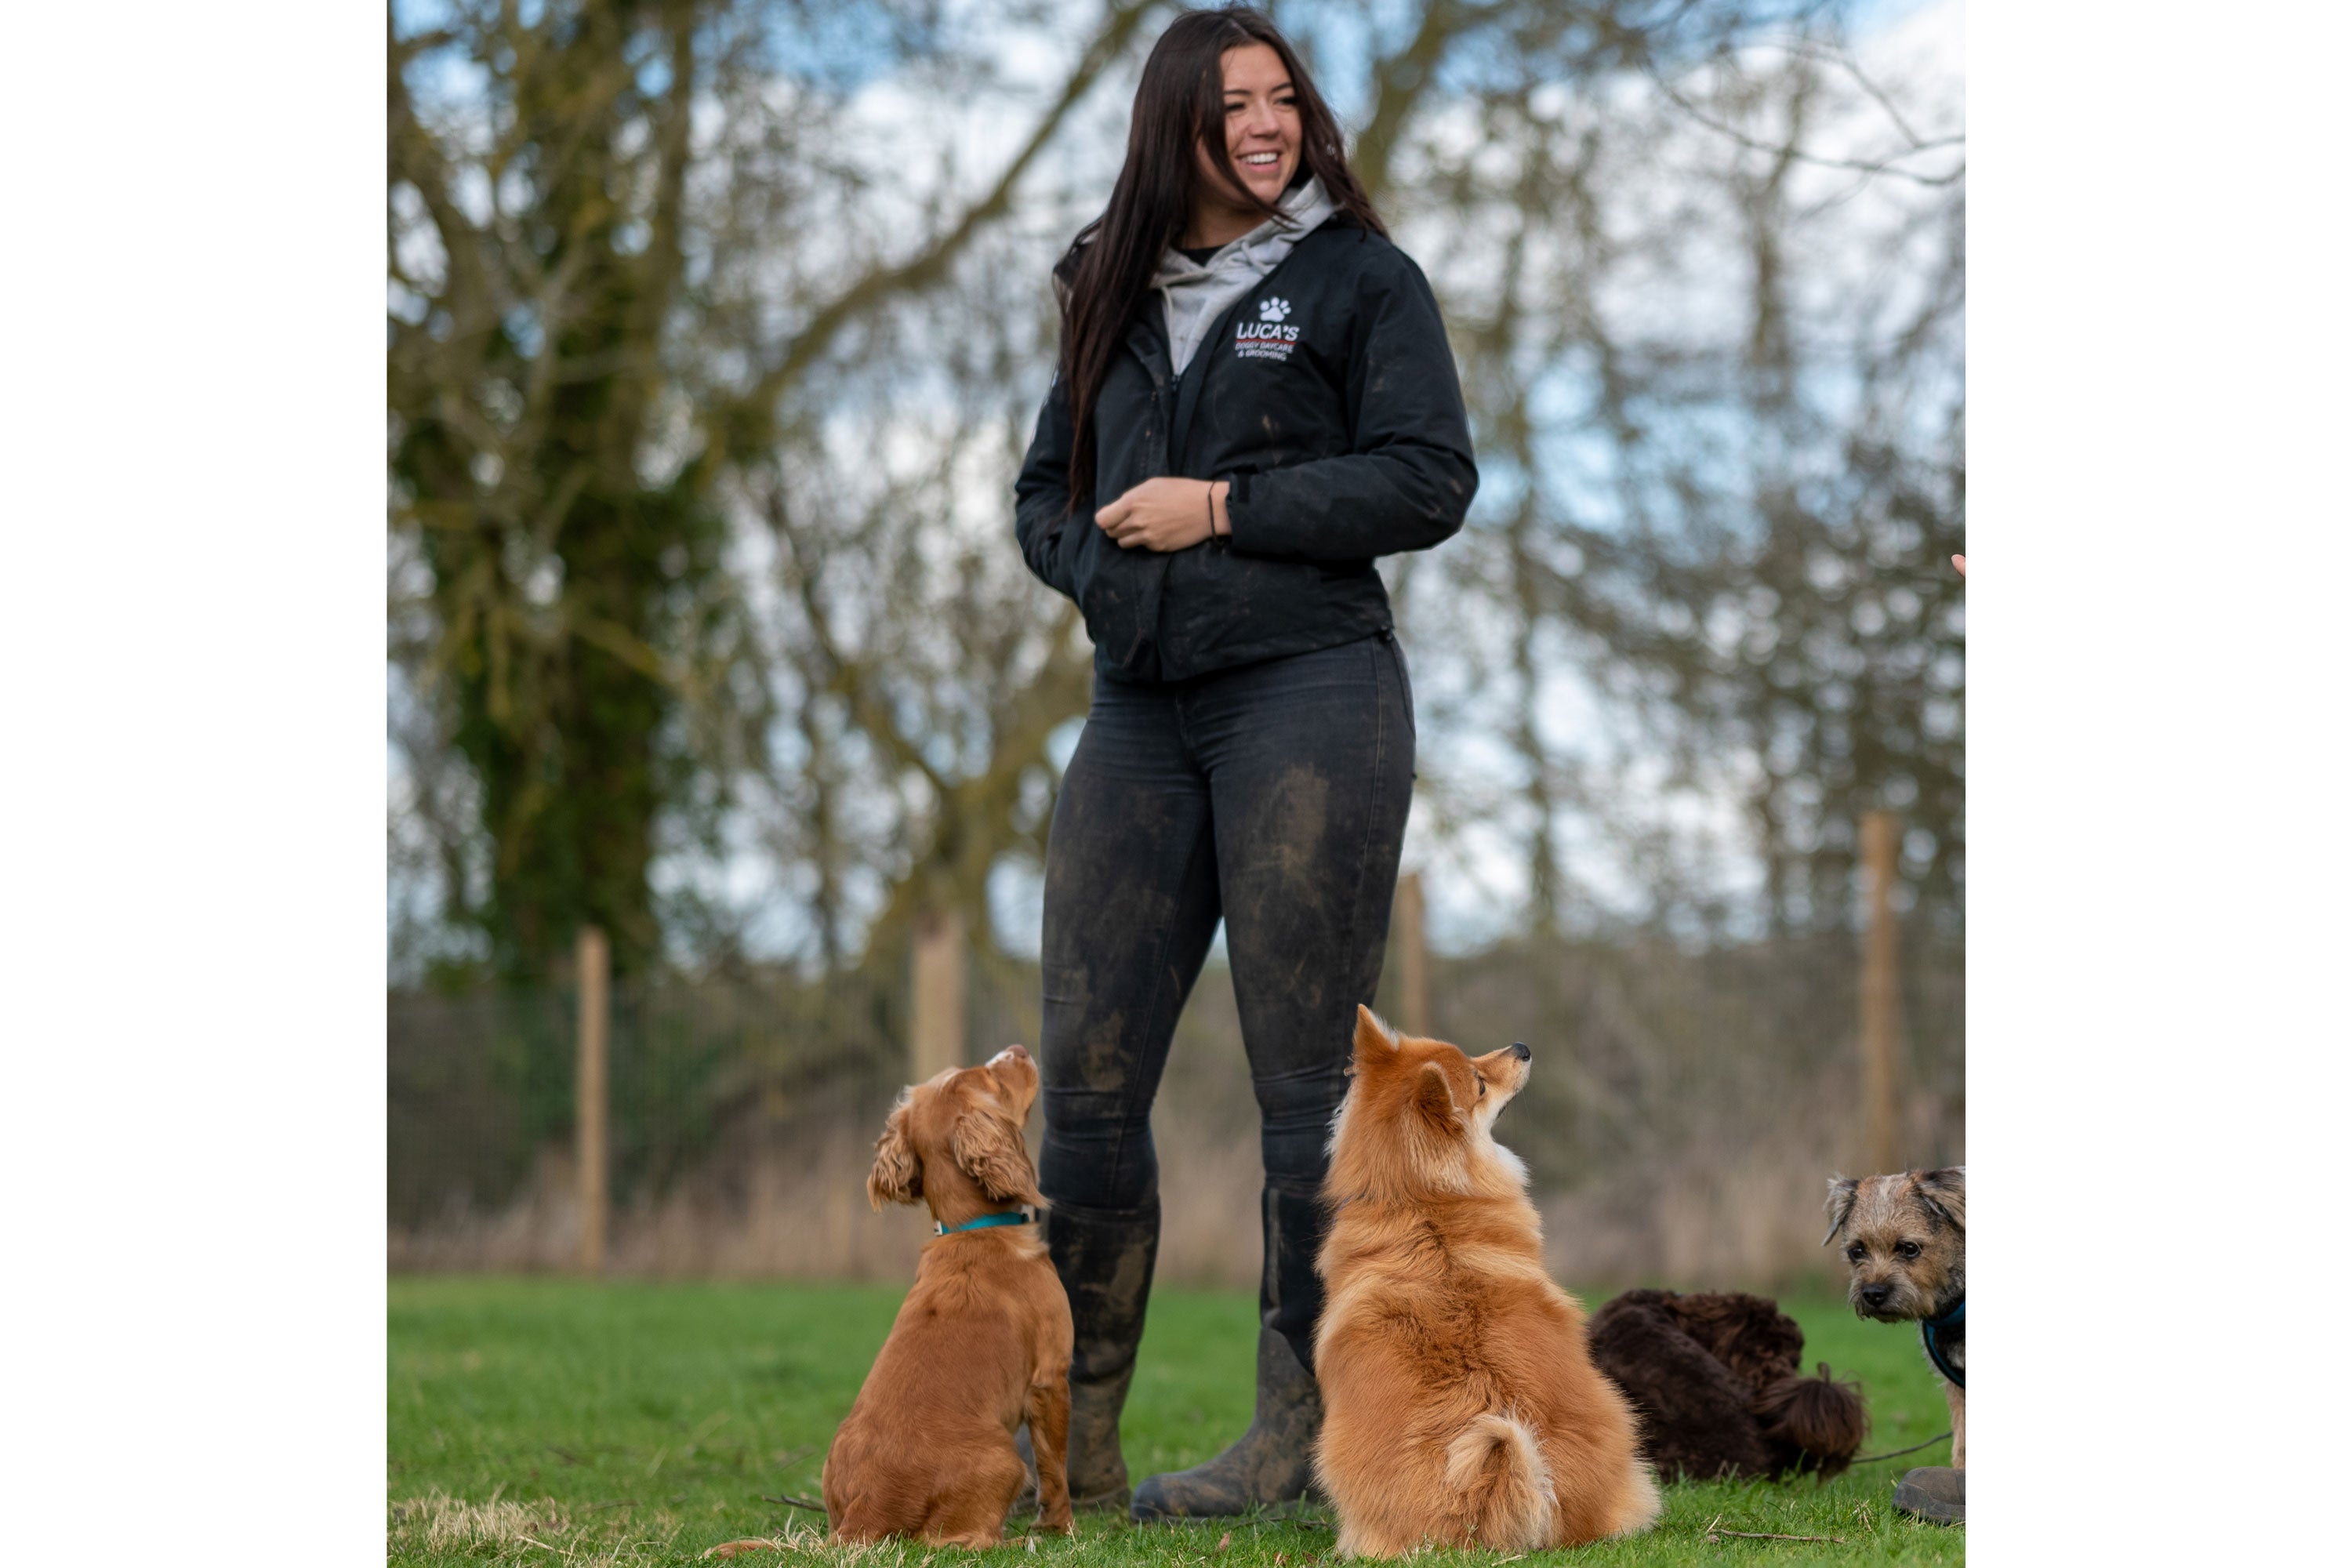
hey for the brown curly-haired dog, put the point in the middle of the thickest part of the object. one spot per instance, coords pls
(1718, 1379)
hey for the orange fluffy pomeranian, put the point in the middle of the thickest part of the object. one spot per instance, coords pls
(1460, 1406)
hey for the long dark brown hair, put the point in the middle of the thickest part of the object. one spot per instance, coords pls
(1108, 267)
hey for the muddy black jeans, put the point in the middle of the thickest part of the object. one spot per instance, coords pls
(1272, 796)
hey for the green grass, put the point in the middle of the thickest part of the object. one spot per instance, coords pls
(541, 1420)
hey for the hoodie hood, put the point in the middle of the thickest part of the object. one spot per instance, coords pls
(1196, 293)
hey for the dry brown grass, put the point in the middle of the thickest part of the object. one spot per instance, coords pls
(498, 1530)
(792, 1214)
(802, 1214)
(437, 1522)
(1684, 1115)
(807, 1541)
(1736, 1201)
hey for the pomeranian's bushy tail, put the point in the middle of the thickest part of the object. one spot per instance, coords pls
(1498, 1472)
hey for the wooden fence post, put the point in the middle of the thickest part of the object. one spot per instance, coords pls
(596, 967)
(1881, 994)
(1410, 920)
(938, 1031)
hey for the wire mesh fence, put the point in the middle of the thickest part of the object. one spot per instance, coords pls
(1685, 1111)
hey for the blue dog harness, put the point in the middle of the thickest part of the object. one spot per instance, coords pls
(1928, 1326)
(1023, 1215)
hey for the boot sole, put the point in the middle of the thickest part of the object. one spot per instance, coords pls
(1918, 1504)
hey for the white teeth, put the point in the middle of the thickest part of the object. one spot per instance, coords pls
(1263, 158)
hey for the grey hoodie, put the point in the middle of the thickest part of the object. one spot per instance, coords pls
(1197, 292)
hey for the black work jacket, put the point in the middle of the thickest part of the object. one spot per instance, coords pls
(1328, 395)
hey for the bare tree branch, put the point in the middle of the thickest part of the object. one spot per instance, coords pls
(1121, 18)
(1791, 151)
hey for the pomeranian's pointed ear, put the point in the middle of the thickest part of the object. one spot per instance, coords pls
(898, 1173)
(1433, 1094)
(1374, 1039)
(1841, 1204)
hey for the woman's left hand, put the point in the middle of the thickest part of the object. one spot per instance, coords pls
(1162, 514)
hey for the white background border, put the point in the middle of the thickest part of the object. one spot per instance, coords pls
(192, 1016)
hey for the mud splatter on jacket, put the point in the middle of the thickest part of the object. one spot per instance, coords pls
(1328, 395)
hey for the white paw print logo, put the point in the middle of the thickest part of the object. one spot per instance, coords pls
(1275, 310)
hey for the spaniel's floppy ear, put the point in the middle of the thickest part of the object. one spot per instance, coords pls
(1945, 1194)
(1432, 1095)
(1374, 1040)
(988, 1144)
(898, 1173)
(1841, 1204)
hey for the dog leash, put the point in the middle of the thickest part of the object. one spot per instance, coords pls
(1898, 1453)
(1023, 1215)
(1927, 1329)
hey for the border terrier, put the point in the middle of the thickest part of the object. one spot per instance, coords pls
(1906, 1240)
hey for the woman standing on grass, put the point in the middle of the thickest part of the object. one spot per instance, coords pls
(1255, 401)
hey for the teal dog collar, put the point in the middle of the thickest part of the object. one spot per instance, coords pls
(1018, 1216)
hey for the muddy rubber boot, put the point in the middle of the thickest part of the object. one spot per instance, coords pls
(1105, 1259)
(1271, 1463)
(1938, 1493)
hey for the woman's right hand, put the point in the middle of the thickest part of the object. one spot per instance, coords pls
(1165, 513)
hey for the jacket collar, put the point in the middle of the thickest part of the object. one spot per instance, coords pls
(1304, 210)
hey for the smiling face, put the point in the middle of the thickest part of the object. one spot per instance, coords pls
(1262, 137)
